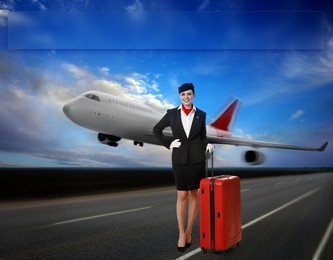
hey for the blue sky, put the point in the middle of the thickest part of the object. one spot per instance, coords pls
(286, 92)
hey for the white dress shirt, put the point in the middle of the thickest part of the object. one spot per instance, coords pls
(187, 119)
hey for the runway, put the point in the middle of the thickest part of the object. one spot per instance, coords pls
(285, 217)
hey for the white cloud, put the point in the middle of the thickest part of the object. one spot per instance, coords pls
(296, 115)
(133, 86)
(3, 18)
(40, 5)
(309, 69)
(292, 73)
(105, 70)
(136, 6)
(242, 134)
(109, 86)
(312, 71)
(154, 86)
(76, 71)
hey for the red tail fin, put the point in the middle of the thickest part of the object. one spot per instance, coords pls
(224, 120)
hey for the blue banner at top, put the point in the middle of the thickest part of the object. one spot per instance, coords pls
(166, 30)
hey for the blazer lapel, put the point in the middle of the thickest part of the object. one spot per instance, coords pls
(195, 123)
(179, 122)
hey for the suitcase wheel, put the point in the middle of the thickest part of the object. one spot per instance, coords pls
(222, 252)
(230, 249)
(204, 250)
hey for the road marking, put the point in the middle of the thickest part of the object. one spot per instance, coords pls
(323, 241)
(244, 190)
(280, 208)
(198, 250)
(101, 216)
(188, 255)
(278, 183)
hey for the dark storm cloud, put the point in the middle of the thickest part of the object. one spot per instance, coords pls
(21, 127)
(14, 72)
(6, 68)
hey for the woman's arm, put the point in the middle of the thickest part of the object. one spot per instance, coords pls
(158, 131)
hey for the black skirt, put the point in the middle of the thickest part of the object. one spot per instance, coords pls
(188, 176)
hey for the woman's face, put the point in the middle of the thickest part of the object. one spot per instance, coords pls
(187, 97)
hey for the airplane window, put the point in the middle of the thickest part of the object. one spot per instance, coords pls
(93, 97)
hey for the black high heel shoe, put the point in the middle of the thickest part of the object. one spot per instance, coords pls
(188, 244)
(181, 248)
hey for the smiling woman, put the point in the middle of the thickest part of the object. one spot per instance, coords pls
(188, 125)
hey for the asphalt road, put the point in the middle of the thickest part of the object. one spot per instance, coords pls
(286, 217)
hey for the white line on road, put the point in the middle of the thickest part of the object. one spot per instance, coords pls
(280, 208)
(323, 241)
(198, 250)
(188, 255)
(244, 190)
(100, 216)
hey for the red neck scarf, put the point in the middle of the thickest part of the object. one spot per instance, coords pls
(187, 111)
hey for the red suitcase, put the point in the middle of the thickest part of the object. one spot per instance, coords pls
(220, 213)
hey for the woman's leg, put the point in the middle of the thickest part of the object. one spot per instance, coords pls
(182, 197)
(192, 213)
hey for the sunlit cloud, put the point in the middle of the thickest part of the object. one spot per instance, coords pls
(76, 71)
(133, 86)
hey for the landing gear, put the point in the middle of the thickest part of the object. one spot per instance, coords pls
(138, 143)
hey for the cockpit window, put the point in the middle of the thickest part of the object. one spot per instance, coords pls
(93, 97)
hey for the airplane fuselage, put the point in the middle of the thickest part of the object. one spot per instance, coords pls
(116, 116)
(112, 115)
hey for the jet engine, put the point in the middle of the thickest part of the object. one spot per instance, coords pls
(108, 139)
(253, 157)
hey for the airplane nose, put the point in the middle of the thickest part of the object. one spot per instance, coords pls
(67, 108)
(71, 110)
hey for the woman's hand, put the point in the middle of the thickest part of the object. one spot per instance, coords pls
(175, 144)
(210, 148)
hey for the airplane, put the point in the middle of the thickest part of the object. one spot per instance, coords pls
(114, 118)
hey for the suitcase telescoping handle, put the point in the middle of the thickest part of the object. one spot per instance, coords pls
(212, 156)
(212, 164)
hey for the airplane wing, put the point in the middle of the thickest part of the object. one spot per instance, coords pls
(246, 142)
(236, 141)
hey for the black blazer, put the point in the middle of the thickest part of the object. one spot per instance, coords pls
(193, 147)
